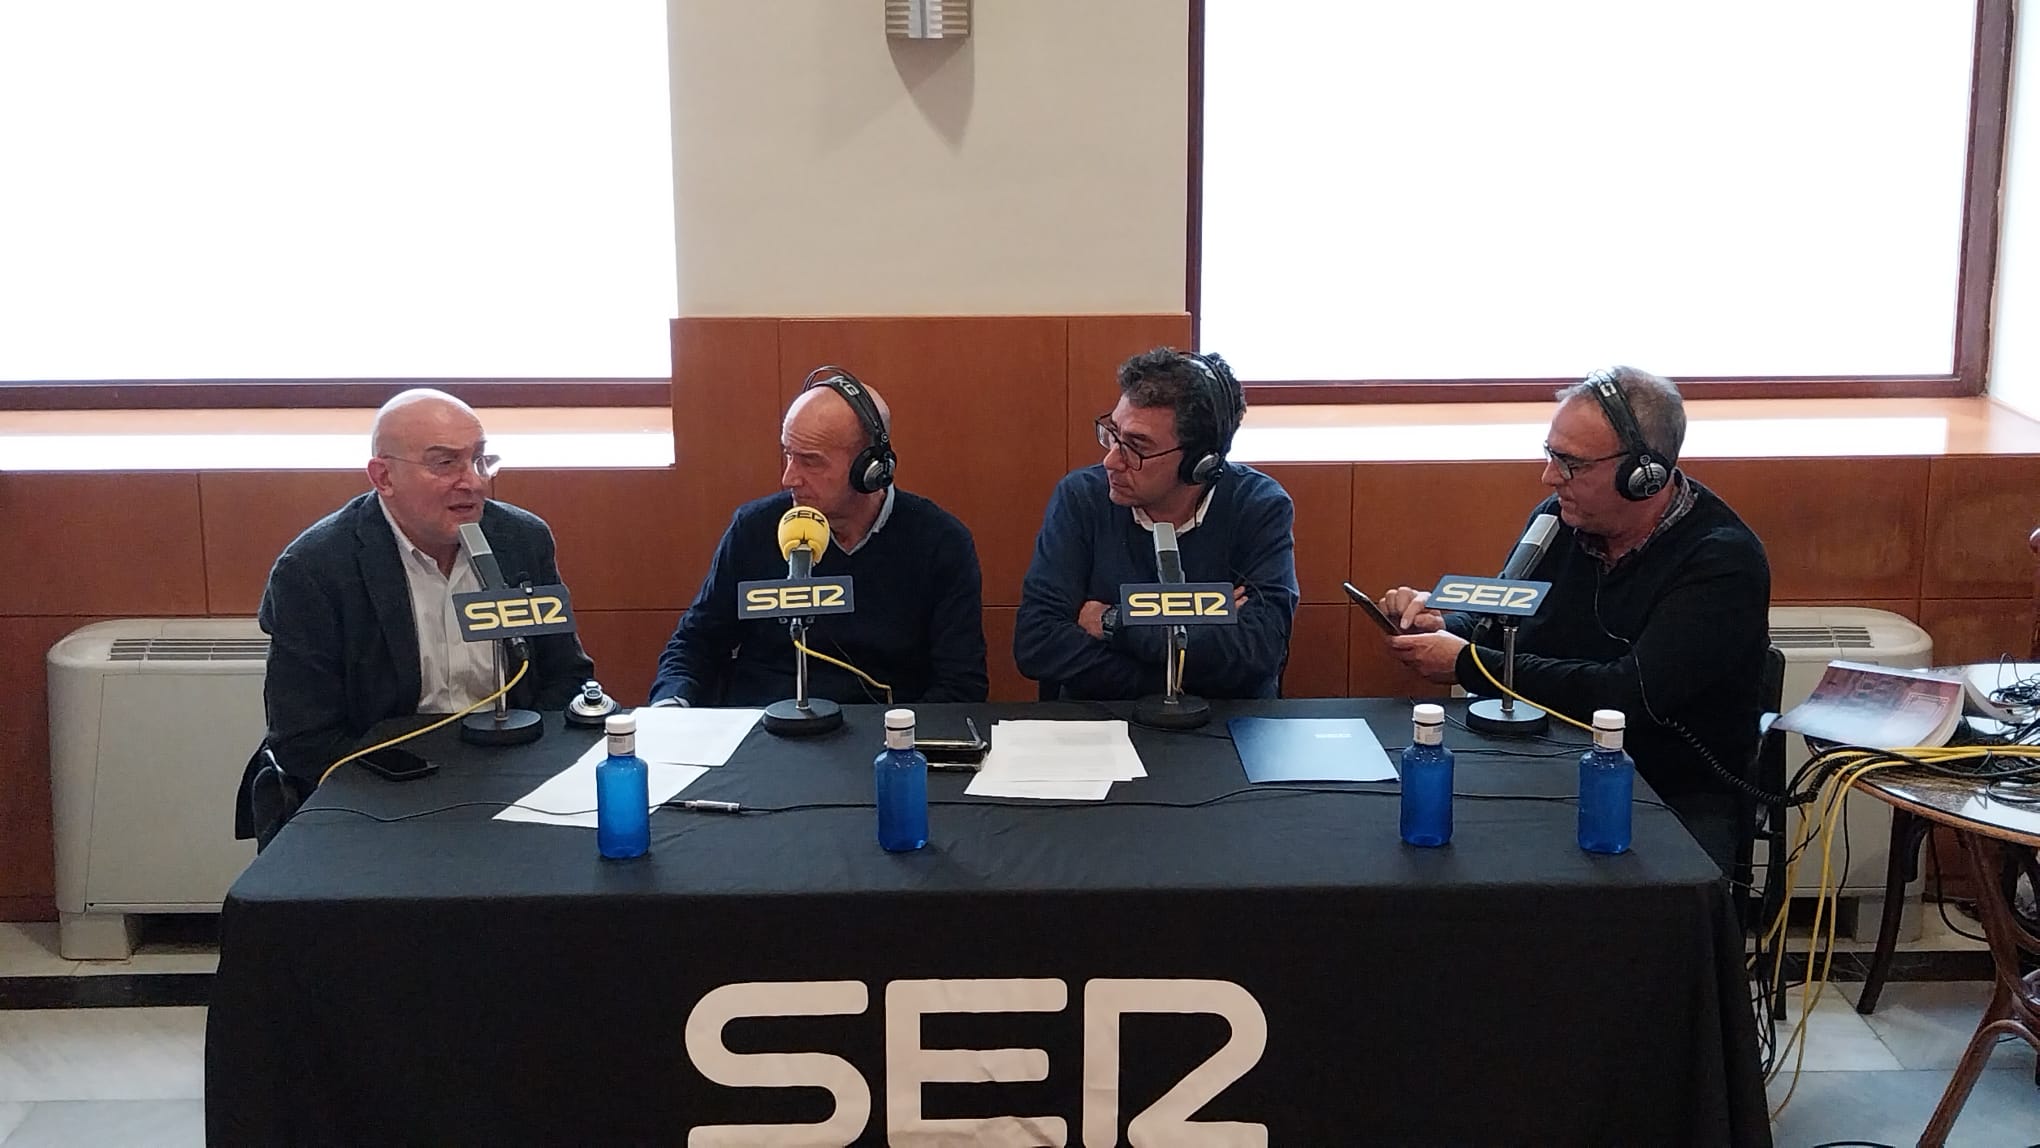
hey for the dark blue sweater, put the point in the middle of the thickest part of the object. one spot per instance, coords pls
(918, 627)
(1089, 547)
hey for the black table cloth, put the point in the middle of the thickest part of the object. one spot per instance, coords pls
(448, 978)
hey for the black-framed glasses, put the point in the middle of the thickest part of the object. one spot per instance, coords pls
(1108, 437)
(450, 468)
(1570, 464)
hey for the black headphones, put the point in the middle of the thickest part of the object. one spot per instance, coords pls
(872, 470)
(1641, 473)
(1228, 403)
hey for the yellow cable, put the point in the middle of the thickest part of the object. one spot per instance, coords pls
(847, 666)
(1519, 697)
(514, 678)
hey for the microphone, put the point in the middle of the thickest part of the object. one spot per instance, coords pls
(481, 557)
(803, 539)
(1168, 557)
(1530, 551)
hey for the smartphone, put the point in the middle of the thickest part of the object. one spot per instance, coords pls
(399, 765)
(1366, 604)
(954, 752)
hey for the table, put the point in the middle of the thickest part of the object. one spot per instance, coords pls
(453, 979)
(1985, 825)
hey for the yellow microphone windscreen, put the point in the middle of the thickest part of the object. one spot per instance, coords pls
(803, 524)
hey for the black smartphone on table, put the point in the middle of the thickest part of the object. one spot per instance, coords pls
(1388, 625)
(395, 764)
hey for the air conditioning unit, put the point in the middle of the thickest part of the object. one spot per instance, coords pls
(1811, 637)
(151, 722)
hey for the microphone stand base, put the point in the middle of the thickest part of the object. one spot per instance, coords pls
(1487, 716)
(517, 727)
(1186, 712)
(590, 720)
(788, 719)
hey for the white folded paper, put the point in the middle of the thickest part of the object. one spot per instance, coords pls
(1057, 760)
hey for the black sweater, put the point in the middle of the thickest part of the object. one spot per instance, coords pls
(1674, 633)
(918, 626)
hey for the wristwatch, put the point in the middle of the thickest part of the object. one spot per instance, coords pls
(1109, 622)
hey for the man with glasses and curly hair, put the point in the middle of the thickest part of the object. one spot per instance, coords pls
(1659, 602)
(1165, 450)
(359, 609)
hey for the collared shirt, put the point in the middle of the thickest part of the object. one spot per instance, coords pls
(452, 674)
(884, 516)
(1682, 501)
(1196, 520)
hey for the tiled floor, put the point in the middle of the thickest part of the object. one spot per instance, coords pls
(134, 1076)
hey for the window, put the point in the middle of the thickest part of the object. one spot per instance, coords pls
(378, 190)
(1493, 192)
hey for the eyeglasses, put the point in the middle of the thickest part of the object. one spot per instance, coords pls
(1569, 465)
(448, 469)
(1108, 437)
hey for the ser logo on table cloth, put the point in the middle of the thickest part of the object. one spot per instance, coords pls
(908, 1065)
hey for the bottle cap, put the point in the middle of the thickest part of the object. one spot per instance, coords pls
(1430, 714)
(1609, 719)
(619, 723)
(899, 719)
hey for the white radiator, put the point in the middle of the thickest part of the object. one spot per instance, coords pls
(1811, 637)
(151, 722)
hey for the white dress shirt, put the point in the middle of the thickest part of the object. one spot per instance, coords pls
(452, 674)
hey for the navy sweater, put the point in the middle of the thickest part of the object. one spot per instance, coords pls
(1089, 547)
(918, 626)
(1675, 633)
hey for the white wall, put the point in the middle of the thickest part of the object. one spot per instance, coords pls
(2015, 324)
(1036, 167)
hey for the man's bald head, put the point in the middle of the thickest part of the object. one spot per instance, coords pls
(824, 416)
(418, 418)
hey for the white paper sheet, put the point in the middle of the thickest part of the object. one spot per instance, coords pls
(568, 797)
(677, 735)
(1057, 760)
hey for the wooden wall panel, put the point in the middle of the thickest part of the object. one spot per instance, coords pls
(27, 852)
(1317, 653)
(251, 515)
(1006, 681)
(1372, 673)
(1836, 529)
(1979, 512)
(627, 539)
(1323, 494)
(1098, 344)
(1977, 629)
(978, 407)
(120, 544)
(626, 645)
(1416, 522)
(725, 416)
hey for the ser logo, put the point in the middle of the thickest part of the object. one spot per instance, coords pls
(795, 598)
(1176, 604)
(520, 613)
(1488, 595)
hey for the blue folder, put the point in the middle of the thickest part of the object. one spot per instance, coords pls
(1309, 749)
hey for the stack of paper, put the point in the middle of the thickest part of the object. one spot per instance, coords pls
(1057, 760)
(678, 745)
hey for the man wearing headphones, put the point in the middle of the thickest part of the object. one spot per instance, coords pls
(917, 633)
(1165, 446)
(1659, 602)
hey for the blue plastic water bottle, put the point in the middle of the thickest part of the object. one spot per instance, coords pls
(1427, 781)
(901, 774)
(1607, 783)
(623, 815)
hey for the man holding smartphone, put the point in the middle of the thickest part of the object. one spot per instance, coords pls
(359, 608)
(1659, 603)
